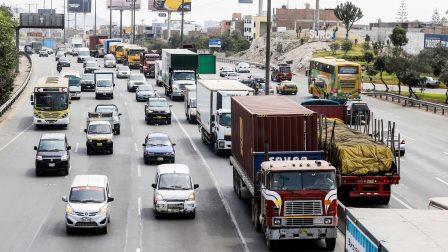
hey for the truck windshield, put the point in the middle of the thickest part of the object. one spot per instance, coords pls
(83, 53)
(87, 194)
(294, 181)
(184, 76)
(99, 129)
(51, 101)
(103, 83)
(225, 119)
(284, 69)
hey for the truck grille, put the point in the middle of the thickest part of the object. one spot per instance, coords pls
(303, 207)
(228, 138)
(50, 114)
(348, 84)
(299, 222)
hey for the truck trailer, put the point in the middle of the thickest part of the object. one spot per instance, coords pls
(213, 110)
(96, 45)
(275, 158)
(147, 63)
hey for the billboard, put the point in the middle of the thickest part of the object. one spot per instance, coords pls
(46, 11)
(169, 5)
(216, 43)
(80, 6)
(124, 4)
(436, 40)
(245, 1)
(35, 20)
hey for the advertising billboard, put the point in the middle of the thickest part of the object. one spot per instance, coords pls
(436, 40)
(80, 6)
(245, 1)
(169, 5)
(216, 43)
(124, 4)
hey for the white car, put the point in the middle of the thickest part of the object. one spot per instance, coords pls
(88, 203)
(174, 191)
(232, 76)
(109, 61)
(224, 71)
(135, 80)
(123, 72)
(242, 67)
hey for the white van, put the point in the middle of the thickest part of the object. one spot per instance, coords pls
(88, 203)
(83, 53)
(242, 67)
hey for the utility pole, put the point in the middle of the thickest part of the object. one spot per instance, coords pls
(110, 18)
(133, 21)
(268, 47)
(121, 23)
(169, 25)
(94, 25)
(182, 25)
(64, 21)
(316, 18)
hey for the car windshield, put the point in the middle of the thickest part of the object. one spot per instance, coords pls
(51, 101)
(83, 53)
(137, 77)
(103, 83)
(74, 81)
(109, 57)
(158, 103)
(63, 59)
(99, 129)
(225, 119)
(91, 64)
(89, 77)
(51, 145)
(106, 109)
(174, 181)
(87, 194)
(158, 141)
(293, 181)
(232, 74)
(284, 69)
(123, 68)
(184, 76)
(145, 88)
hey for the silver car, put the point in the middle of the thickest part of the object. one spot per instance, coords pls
(123, 72)
(135, 80)
(88, 204)
(144, 92)
(174, 191)
(109, 61)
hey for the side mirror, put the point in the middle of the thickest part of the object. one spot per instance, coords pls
(32, 103)
(154, 186)
(110, 199)
(35, 147)
(143, 145)
(31, 98)
(85, 130)
(213, 117)
(171, 105)
(195, 186)
(173, 144)
(64, 198)
(306, 73)
(120, 114)
(69, 147)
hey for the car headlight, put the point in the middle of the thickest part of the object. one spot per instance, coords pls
(328, 221)
(221, 144)
(39, 158)
(64, 157)
(277, 221)
(68, 209)
(89, 140)
(103, 210)
(318, 221)
(167, 111)
(192, 197)
(158, 197)
(109, 140)
(175, 88)
(149, 111)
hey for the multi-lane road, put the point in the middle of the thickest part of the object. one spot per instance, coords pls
(32, 212)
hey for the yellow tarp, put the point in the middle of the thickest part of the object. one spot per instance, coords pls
(356, 153)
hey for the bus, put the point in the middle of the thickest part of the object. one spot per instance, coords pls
(51, 101)
(132, 58)
(335, 79)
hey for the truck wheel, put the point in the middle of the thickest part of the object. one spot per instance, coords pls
(385, 200)
(271, 244)
(238, 188)
(255, 216)
(111, 150)
(203, 138)
(117, 131)
(104, 230)
(89, 151)
(330, 243)
(69, 230)
(235, 174)
(38, 173)
(216, 149)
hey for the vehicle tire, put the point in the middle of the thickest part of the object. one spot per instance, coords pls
(271, 244)
(216, 149)
(89, 151)
(238, 188)
(96, 97)
(69, 230)
(38, 173)
(104, 230)
(111, 151)
(173, 160)
(147, 162)
(168, 122)
(118, 131)
(112, 97)
(157, 215)
(192, 215)
(384, 200)
(203, 138)
(235, 175)
(129, 90)
(255, 214)
(330, 243)
(66, 172)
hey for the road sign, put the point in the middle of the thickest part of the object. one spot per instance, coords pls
(436, 40)
(169, 5)
(124, 4)
(35, 20)
(245, 1)
(80, 6)
(162, 14)
(215, 43)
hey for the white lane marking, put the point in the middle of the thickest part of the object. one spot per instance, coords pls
(407, 137)
(446, 153)
(126, 104)
(442, 181)
(137, 250)
(215, 183)
(139, 171)
(15, 138)
(135, 145)
(40, 227)
(76, 147)
(139, 206)
(401, 202)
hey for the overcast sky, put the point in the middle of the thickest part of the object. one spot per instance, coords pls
(222, 9)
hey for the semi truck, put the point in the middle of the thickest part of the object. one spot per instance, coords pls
(381, 229)
(275, 158)
(179, 69)
(147, 63)
(214, 113)
(108, 42)
(96, 45)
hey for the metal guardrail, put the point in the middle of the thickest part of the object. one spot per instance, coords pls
(411, 102)
(235, 61)
(19, 91)
(342, 216)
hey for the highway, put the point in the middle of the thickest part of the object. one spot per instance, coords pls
(32, 216)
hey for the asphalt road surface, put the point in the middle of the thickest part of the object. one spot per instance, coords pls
(32, 212)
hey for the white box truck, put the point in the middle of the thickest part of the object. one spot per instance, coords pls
(213, 111)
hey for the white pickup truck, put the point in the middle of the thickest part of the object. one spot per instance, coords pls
(104, 84)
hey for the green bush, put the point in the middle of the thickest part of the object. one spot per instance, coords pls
(8, 53)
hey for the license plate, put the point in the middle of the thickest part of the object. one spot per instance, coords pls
(303, 232)
(51, 165)
(104, 93)
(370, 181)
(160, 159)
(86, 219)
(99, 144)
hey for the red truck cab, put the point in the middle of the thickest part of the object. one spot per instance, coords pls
(281, 73)
(147, 63)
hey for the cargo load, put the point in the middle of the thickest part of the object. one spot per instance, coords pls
(355, 153)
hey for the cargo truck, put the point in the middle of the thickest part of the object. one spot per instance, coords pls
(109, 42)
(275, 158)
(410, 230)
(96, 45)
(147, 63)
(179, 69)
(49, 43)
(104, 84)
(75, 44)
(206, 64)
(213, 110)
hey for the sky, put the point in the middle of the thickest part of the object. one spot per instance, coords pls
(203, 10)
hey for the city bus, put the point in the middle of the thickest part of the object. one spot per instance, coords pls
(133, 56)
(51, 101)
(335, 79)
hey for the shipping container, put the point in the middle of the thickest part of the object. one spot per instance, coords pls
(49, 43)
(276, 122)
(206, 64)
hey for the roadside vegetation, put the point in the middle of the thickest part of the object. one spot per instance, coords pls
(8, 53)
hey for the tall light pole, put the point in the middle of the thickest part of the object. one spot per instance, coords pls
(121, 23)
(94, 24)
(110, 18)
(182, 25)
(64, 21)
(133, 21)
(268, 47)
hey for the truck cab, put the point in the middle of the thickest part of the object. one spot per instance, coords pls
(74, 83)
(281, 73)
(104, 84)
(179, 80)
(147, 63)
(221, 124)
(298, 200)
(190, 104)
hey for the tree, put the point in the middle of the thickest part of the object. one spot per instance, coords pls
(397, 64)
(371, 71)
(349, 14)
(367, 38)
(436, 17)
(366, 46)
(436, 58)
(8, 53)
(334, 47)
(368, 57)
(378, 47)
(346, 46)
(380, 65)
(402, 15)
(398, 37)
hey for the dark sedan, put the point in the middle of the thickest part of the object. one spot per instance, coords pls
(157, 110)
(158, 148)
(64, 61)
(52, 154)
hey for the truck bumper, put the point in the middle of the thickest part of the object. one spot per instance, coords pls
(308, 233)
(224, 145)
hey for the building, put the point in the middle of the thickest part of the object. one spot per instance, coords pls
(260, 26)
(214, 31)
(304, 18)
(248, 28)
(211, 24)
(154, 31)
(225, 26)
(237, 26)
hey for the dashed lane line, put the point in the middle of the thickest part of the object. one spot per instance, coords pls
(401, 202)
(442, 181)
(15, 138)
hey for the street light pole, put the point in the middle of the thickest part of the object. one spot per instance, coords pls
(121, 23)
(94, 25)
(110, 18)
(182, 25)
(133, 22)
(268, 47)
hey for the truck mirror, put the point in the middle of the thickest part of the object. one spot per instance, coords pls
(213, 117)
(154, 186)
(196, 186)
(64, 198)
(35, 147)
(69, 147)
(120, 114)
(31, 98)
(85, 130)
